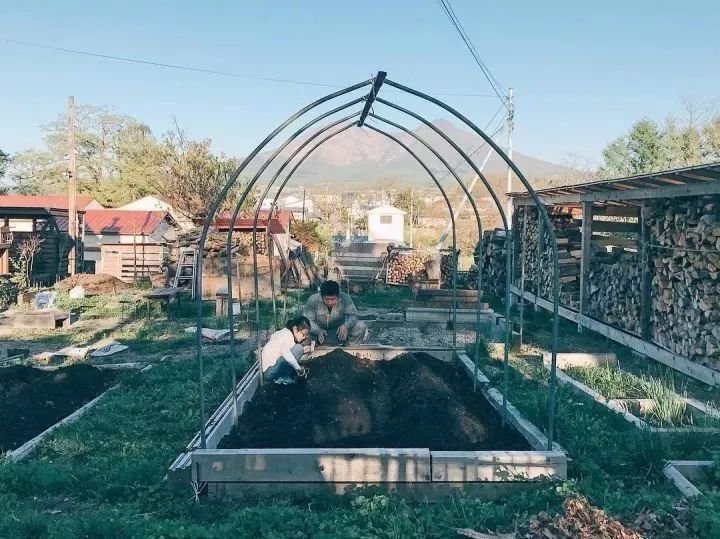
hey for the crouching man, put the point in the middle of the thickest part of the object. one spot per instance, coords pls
(333, 316)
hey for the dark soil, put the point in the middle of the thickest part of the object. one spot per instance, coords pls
(94, 283)
(412, 401)
(32, 400)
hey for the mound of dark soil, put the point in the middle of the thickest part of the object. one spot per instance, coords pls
(412, 401)
(94, 284)
(32, 400)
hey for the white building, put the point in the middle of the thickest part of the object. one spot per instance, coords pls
(292, 203)
(386, 223)
(153, 203)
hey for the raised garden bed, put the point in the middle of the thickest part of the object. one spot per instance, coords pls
(32, 400)
(648, 403)
(369, 416)
(348, 402)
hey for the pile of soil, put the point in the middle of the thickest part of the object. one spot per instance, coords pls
(93, 284)
(32, 400)
(414, 400)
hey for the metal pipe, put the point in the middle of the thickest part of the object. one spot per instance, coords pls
(469, 197)
(553, 242)
(203, 237)
(254, 242)
(522, 273)
(337, 132)
(508, 325)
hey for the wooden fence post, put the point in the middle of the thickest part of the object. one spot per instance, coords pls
(585, 248)
(646, 276)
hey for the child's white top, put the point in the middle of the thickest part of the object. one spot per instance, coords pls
(279, 345)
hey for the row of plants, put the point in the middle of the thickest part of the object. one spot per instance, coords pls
(667, 401)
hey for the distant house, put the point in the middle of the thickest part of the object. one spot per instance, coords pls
(386, 223)
(154, 203)
(45, 216)
(294, 204)
(115, 231)
(279, 225)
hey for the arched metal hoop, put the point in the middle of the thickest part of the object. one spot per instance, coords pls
(372, 96)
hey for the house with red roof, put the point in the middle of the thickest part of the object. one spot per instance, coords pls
(118, 231)
(98, 229)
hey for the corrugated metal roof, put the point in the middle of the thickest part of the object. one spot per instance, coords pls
(222, 222)
(54, 202)
(126, 222)
(700, 174)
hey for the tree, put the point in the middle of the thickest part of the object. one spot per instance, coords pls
(4, 162)
(410, 202)
(681, 142)
(191, 176)
(112, 152)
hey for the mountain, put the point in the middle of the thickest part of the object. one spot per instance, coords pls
(358, 156)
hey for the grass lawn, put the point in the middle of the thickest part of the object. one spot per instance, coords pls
(104, 475)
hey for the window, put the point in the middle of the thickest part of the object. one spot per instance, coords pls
(386, 219)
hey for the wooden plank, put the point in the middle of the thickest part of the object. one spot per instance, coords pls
(569, 359)
(471, 466)
(615, 226)
(616, 211)
(530, 432)
(614, 242)
(469, 368)
(585, 250)
(679, 363)
(672, 191)
(646, 275)
(360, 465)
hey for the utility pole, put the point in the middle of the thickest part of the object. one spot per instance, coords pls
(510, 127)
(72, 189)
(303, 210)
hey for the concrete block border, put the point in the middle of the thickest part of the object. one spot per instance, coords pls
(683, 472)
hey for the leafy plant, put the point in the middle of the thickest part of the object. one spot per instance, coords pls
(610, 382)
(668, 407)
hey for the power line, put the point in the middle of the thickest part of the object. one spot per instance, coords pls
(454, 19)
(194, 69)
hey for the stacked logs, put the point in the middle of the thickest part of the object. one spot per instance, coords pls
(614, 284)
(684, 257)
(447, 263)
(414, 266)
(407, 267)
(492, 255)
(216, 242)
(568, 236)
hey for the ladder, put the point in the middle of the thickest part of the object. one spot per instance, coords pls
(185, 274)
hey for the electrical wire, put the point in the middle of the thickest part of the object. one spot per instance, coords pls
(180, 67)
(455, 21)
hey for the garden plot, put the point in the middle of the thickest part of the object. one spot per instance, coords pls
(33, 400)
(369, 416)
(647, 402)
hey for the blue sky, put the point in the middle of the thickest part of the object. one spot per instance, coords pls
(582, 71)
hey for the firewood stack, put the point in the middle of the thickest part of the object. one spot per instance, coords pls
(492, 253)
(614, 283)
(685, 261)
(405, 267)
(447, 263)
(216, 242)
(568, 235)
